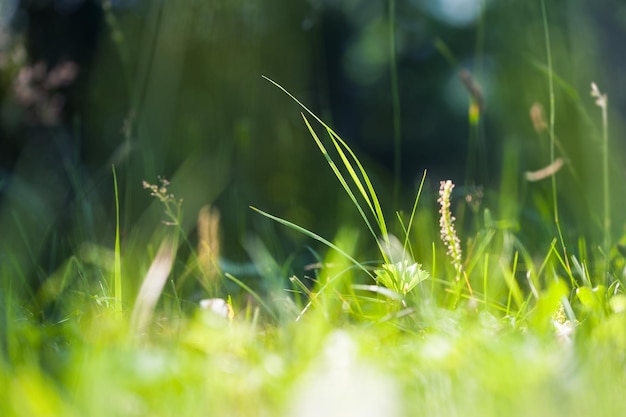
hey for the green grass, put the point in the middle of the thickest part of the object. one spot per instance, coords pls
(392, 321)
(534, 337)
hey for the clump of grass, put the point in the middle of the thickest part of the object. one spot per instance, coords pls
(399, 272)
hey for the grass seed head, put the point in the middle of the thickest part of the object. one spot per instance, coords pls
(447, 230)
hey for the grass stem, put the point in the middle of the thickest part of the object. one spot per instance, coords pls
(117, 271)
(602, 102)
(551, 127)
(605, 187)
(395, 102)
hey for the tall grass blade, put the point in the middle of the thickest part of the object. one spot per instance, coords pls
(515, 293)
(117, 269)
(546, 30)
(377, 209)
(395, 101)
(314, 236)
(417, 199)
(369, 196)
(602, 102)
(342, 179)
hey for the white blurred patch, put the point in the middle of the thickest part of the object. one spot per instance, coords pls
(341, 385)
(457, 12)
(218, 306)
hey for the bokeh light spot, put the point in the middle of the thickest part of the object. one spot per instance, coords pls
(457, 12)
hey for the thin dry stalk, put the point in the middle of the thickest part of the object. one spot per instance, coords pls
(152, 286)
(209, 242)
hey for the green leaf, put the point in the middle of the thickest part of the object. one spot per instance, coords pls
(591, 298)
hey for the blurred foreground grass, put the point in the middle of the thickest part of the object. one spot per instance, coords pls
(430, 360)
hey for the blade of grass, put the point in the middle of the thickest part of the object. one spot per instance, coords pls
(395, 102)
(253, 294)
(377, 209)
(407, 247)
(370, 196)
(353, 175)
(434, 269)
(343, 181)
(313, 236)
(481, 243)
(602, 102)
(417, 198)
(303, 288)
(565, 264)
(485, 281)
(546, 31)
(328, 285)
(446, 52)
(117, 269)
(515, 293)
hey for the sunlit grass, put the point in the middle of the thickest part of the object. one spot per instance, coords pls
(392, 320)
(533, 337)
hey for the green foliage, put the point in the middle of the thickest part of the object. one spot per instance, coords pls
(460, 308)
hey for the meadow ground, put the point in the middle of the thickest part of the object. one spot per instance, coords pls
(495, 301)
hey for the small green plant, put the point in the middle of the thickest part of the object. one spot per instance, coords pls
(401, 277)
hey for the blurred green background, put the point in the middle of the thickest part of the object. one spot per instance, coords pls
(175, 89)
